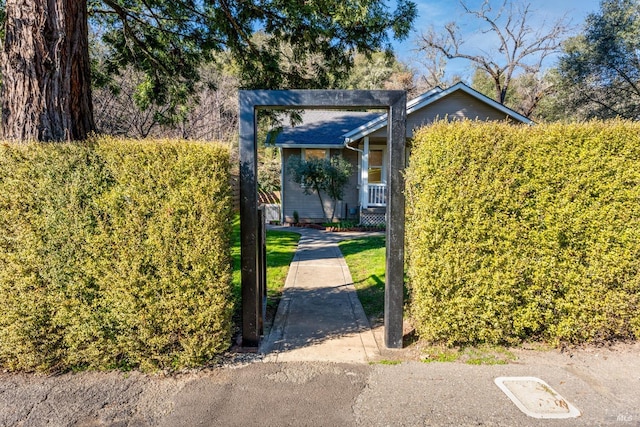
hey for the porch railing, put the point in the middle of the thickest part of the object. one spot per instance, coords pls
(377, 194)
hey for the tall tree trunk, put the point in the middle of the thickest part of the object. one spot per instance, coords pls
(46, 83)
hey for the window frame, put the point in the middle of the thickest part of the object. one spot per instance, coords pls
(327, 152)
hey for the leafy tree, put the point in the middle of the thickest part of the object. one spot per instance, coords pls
(381, 70)
(599, 73)
(525, 93)
(520, 47)
(212, 115)
(315, 175)
(268, 169)
(167, 41)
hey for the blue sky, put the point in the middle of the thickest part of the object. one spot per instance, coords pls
(437, 13)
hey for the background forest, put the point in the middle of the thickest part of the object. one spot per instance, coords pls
(593, 71)
(173, 69)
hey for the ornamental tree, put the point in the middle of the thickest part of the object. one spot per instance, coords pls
(321, 175)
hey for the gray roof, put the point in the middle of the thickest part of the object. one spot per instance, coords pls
(326, 129)
(323, 128)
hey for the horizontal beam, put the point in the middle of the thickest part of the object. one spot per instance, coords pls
(320, 99)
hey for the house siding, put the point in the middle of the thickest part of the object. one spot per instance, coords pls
(308, 205)
(456, 106)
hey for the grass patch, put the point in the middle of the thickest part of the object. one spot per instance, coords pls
(366, 260)
(281, 246)
(387, 362)
(476, 355)
(488, 355)
(365, 257)
(440, 354)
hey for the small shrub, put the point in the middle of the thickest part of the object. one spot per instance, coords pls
(341, 225)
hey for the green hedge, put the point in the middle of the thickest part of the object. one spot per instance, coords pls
(521, 233)
(114, 254)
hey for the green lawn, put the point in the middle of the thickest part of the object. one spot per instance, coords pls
(365, 258)
(281, 246)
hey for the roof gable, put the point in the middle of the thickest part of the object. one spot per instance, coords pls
(479, 96)
(381, 121)
(429, 99)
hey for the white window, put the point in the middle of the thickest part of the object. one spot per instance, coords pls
(376, 164)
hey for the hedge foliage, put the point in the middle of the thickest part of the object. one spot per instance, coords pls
(521, 232)
(114, 254)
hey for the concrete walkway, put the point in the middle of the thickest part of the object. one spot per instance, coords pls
(319, 317)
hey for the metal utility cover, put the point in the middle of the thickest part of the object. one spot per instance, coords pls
(536, 398)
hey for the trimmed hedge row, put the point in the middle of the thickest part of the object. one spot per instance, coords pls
(521, 233)
(114, 254)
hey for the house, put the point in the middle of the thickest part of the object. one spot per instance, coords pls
(361, 138)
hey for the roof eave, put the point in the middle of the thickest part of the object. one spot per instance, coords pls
(415, 105)
(380, 122)
(366, 129)
(302, 145)
(472, 92)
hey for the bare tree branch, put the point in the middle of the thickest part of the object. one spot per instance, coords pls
(519, 47)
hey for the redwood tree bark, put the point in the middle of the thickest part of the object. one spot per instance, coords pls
(46, 87)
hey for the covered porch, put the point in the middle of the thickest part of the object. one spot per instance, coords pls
(372, 182)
